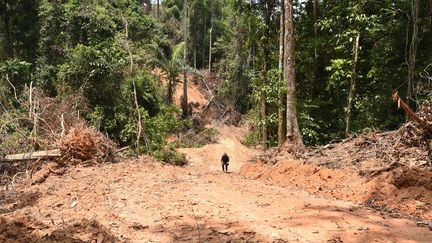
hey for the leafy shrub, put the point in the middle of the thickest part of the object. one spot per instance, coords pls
(251, 138)
(170, 156)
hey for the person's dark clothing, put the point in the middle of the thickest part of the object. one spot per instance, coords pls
(225, 162)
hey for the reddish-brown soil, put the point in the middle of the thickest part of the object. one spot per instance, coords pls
(402, 190)
(145, 201)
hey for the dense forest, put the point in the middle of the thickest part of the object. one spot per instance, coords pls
(331, 65)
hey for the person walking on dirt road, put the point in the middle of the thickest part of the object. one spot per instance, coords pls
(225, 162)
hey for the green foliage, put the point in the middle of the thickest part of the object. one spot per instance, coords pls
(15, 132)
(310, 126)
(271, 90)
(171, 156)
(143, 28)
(14, 74)
(155, 129)
(149, 95)
(90, 22)
(17, 71)
(171, 63)
(252, 138)
(79, 48)
(97, 71)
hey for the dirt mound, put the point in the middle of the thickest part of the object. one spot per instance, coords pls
(389, 170)
(84, 144)
(410, 145)
(399, 147)
(26, 229)
(402, 190)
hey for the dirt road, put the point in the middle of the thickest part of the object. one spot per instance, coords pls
(144, 201)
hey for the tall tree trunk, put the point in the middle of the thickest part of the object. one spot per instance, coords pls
(195, 58)
(170, 90)
(282, 97)
(293, 130)
(158, 9)
(415, 9)
(253, 56)
(203, 59)
(266, 61)
(356, 46)
(185, 61)
(210, 45)
(148, 6)
(316, 54)
(139, 124)
(239, 77)
(7, 30)
(249, 58)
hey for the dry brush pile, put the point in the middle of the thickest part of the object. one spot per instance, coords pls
(45, 123)
(86, 144)
(409, 146)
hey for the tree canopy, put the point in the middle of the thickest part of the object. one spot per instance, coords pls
(349, 56)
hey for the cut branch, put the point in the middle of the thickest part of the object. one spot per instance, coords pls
(13, 87)
(43, 154)
(410, 113)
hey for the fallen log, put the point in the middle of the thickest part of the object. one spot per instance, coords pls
(43, 154)
(423, 123)
(376, 171)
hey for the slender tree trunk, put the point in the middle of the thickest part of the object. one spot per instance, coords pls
(263, 111)
(239, 77)
(170, 90)
(210, 45)
(7, 31)
(249, 58)
(282, 97)
(203, 59)
(139, 124)
(148, 6)
(415, 8)
(316, 54)
(293, 130)
(158, 9)
(185, 61)
(356, 46)
(195, 58)
(266, 57)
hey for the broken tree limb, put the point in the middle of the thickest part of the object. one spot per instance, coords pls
(121, 150)
(370, 173)
(43, 154)
(208, 103)
(410, 113)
